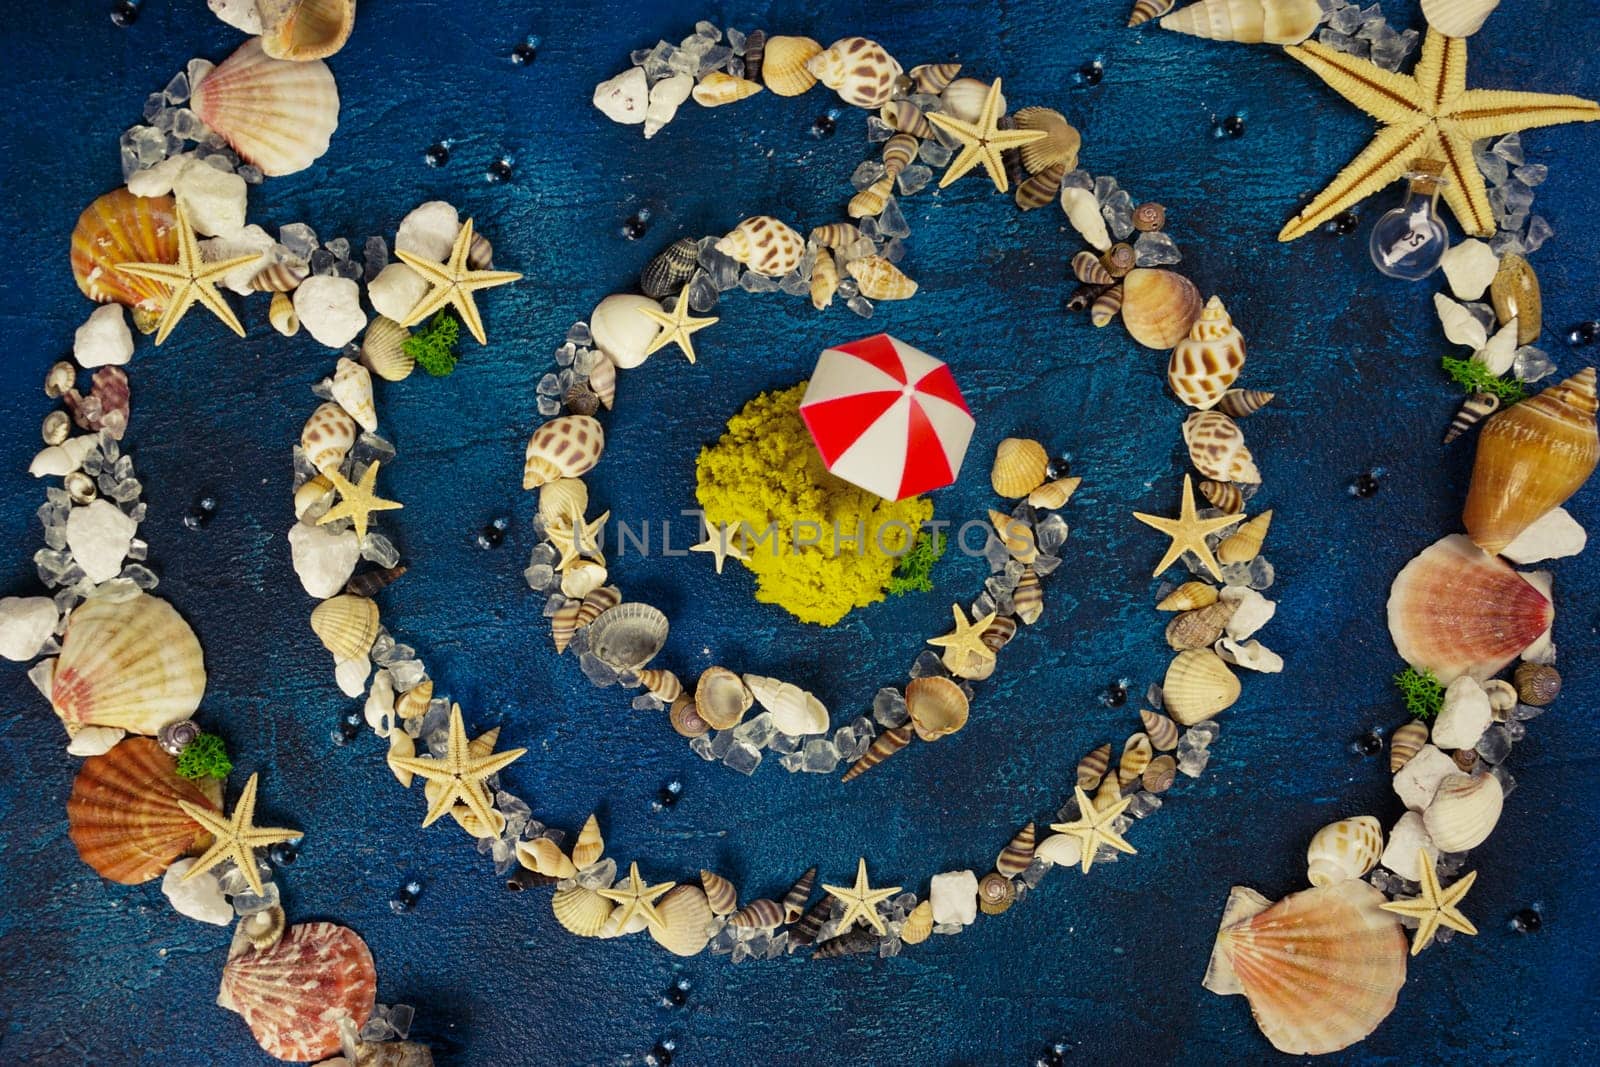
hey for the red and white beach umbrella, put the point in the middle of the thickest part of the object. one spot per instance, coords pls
(887, 417)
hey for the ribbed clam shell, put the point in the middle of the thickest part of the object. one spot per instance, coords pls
(383, 351)
(883, 746)
(1136, 756)
(1199, 628)
(671, 268)
(1464, 811)
(565, 447)
(938, 706)
(1145, 10)
(721, 896)
(562, 498)
(282, 277)
(277, 114)
(1217, 448)
(1159, 307)
(1406, 742)
(1247, 21)
(590, 845)
(1244, 544)
(1224, 496)
(878, 279)
(933, 78)
(1459, 18)
(686, 921)
(628, 636)
(1106, 306)
(1162, 731)
(124, 815)
(1237, 403)
(1321, 968)
(1020, 465)
(116, 228)
(581, 911)
(1531, 457)
(1473, 410)
(1198, 686)
(1087, 268)
(719, 88)
(1188, 596)
(758, 915)
(1343, 850)
(544, 856)
(1205, 363)
(824, 280)
(1515, 289)
(352, 390)
(794, 901)
(294, 995)
(721, 698)
(1092, 768)
(1018, 853)
(783, 64)
(347, 625)
(996, 893)
(1456, 610)
(1159, 776)
(862, 72)
(132, 664)
(305, 29)
(328, 436)
(1058, 147)
(765, 245)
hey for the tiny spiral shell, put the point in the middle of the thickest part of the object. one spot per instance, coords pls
(794, 901)
(932, 78)
(1092, 768)
(1159, 776)
(1145, 10)
(1149, 217)
(1087, 268)
(887, 744)
(824, 279)
(898, 152)
(1162, 731)
(1223, 495)
(996, 893)
(720, 893)
(282, 315)
(905, 117)
(1106, 306)
(1237, 403)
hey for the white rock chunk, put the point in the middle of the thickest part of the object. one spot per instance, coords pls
(1419, 779)
(94, 740)
(665, 96)
(1469, 267)
(252, 240)
(1405, 840)
(199, 897)
(98, 536)
(429, 231)
(351, 674)
(323, 559)
(213, 199)
(1465, 715)
(159, 179)
(395, 291)
(379, 708)
(104, 340)
(62, 459)
(1251, 655)
(330, 309)
(955, 897)
(26, 623)
(1556, 535)
(624, 98)
(1252, 611)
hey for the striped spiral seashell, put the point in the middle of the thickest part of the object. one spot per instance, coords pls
(905, 117)
(851, 944)
(1188, 596)
(1092, 768)
(794, 901)
(282, 315)
(885, 745)
(280, 277)
(805, 931)
(1159, 776)
(824, 280)
(720, 893)
(1237, 403)
(1162, 731)
(998, 634)
(661, 684)
(1018, 853)
(719, 87)
(755, 48)
(1027, 599)
(871, 200)
(1106, 305)
(1136, 756)
(670, 269)
(370, 583)
(685, 718)
(932, 78)
(836, 235)
(1145, 10)
(996, 893)
(1054, 494)
(1040, 189)
(758, 915)
(1223, 495)
(1087, 268)
(898, 152)
(590, 845)
(1085, 295)
(480, 253)
(1406, 742)
(1473, 410)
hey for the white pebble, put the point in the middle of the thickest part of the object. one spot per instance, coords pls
(1469, 267)
(323, 559)
(1465, 715)
(395, 291)
(98, 535)
(104, 339)
(624, 98)
(955, 897)
(1405, 840)
(26, 623)
(1253, 611)
(1555, 535)
(159, 179)
(252, 240)
(213, 199)
(199, 897)
(330, 309)
(429, 231)
(1419, 779)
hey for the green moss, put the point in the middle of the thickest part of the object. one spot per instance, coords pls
(1474, 377)
(434, 346)
(1422, 692)
(911, 574)
(204, 757)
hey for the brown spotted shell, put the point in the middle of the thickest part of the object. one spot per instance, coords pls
(327, 437)
(765, 245)
(862, 72)
(1205, 363)
(1217, 448)
(565, 447)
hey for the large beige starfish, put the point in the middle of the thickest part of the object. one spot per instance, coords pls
(576, 539)
(454, 283)
(1434, 907)
(461, 772)
(1093, 827)
(677, 327)
(357, 500)
(965, 644)
(191, 279)
(720, 543)
(1188, 532)
(982, 141)
(237, 837)
(1432, 115)
(637, 898)
(861, 901)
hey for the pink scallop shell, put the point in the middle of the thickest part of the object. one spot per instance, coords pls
(294, 994)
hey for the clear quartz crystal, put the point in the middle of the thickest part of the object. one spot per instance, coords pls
(1155, 249)
(860, 305)
(743, 757)
(376, 548)
(867, 173)
(819, 757)
(1532, 364)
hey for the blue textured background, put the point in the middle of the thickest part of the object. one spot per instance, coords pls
(95, 972)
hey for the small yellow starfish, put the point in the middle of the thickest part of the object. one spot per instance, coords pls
(1430, 114)
(982, 141)
(965, 644)
(191, 279)
(1188, 532)
(576, 539)
(237, 837)
(677, 327)
(461, 772)
(719, 542)
(861, 900)
(454, 283)
(637, 898)
(1093, 827)
(357, 500)
(1434, 907)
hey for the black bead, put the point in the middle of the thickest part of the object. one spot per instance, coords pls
(1369, 743)
(283, 853)
(666, 799)
(824, 126)
(677, 997)
(1055, 1059)
(349, 730)
(499, 171)
(1585, 333)
(437, 155)
(634, 227)
(491, 536)
(1233, 126)
(1364, 485)
(524, 53)
(124, 13)
(1527, 921)
(1091, 73)
(1116, 695)
(663, 1055)
(1344, 223)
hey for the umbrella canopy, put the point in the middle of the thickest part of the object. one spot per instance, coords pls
(887, 417)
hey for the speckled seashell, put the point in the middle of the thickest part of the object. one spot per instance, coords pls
(758, 915)
(1198, 686)
(352, 390)
(1083, 211)
(918, 925)
(1018, 853)
(1200, 628)
(937, 705)
(1188, 596)
(783, 65)
(1145, 10)
(836, 234)
(905, 117)
(327, 437)
(565, 447)
(590, 846)
(1159, 776)
(670, 269)
(1149, 217)
(794, 901)
(765, 245)
(1092, 768)
(1058, 147)
(1137, 752)
(1515, 293)
(685, 718)
(1217, 448)
(1344, 850)
(721, 698)
(1162, 731)
(1106, 306)
(282, 316)
(1087, 268)
(280, 277)
(661, 684)
(871, 200)
(1016, 535)
(581, 911)
(898, 152)
(1159, 307)
(383, 351)
(879, 279)
(1054, 494)
(722, 897)
(1020, 465)
(859, 70)
(1244, 544)
(544, 856)
(824, 280)
(1464, 811)
(883, 746)
(1237, 403)
(996, 893)
(1224, 496)
(719, 88)
(1027, 599)
(1537, 684)
(347, 625)
(1206, 362)
(1247, 21)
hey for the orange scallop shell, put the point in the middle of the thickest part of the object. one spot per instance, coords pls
(123, 814)
(294, 994)
(122, 228)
